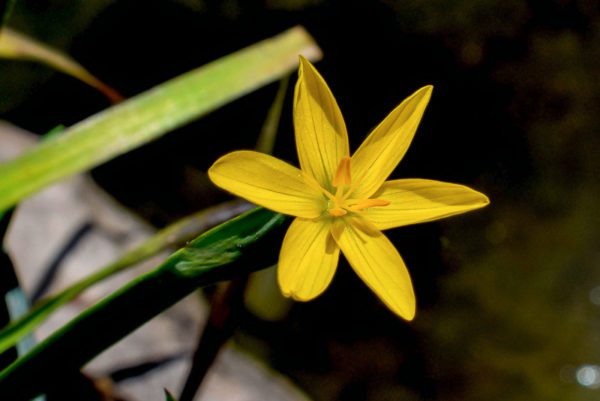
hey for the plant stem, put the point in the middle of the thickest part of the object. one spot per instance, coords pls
(8, 282)
(225, 310)
(6, 7)
(237, 247)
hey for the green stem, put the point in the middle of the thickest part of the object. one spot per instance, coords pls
(175, 234)
(106, 323)
(225, 311)
(213, 257)
(6, 8)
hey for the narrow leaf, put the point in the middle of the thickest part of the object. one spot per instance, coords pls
(151, 114)
(169, 396)
(6, 7)
(268, 133)
(175, 234)
(222, 253)
(15, 45)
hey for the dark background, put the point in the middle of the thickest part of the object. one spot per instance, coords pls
(504, 293)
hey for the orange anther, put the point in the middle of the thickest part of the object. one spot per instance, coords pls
(337, 212)
(366, 203)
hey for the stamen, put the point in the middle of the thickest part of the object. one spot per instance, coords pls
(342, 175)
(337, 212)
(367, 203)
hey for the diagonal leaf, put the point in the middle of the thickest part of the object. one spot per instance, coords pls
(175, 234)
(153, 113)
(268, 133)
(169, 396)
(226, 251)
(15, 45)
(6, 7)
(9, 286)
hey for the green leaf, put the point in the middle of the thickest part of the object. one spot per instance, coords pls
(226, 251)
(268, 133)
(169, 396)
(54, 133)
(15, 45)
(151, 114)
(175, 234)
(6, 8)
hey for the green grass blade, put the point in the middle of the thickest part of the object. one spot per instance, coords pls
(268, 133)
(175, 234)
(151, 114)
(6, 8)
(15, 45)
(169, 396)
(226, 251)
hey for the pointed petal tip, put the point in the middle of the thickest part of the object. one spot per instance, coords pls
(423, 94)
(212, 170)
(484, 200)
(300, 297)
(405, 309)
(296, 296)
(425, 91)
(407, 312)
(305, 66)
(303, 63)
(409, 317)
(266, 181)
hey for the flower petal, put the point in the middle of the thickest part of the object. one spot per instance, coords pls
(383, 149)
(379, 265)
(308, 259)
(418, 201)
(321, 137)
(268, 182)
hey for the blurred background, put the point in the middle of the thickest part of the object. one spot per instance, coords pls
(508, 296)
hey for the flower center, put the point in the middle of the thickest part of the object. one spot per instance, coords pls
(341, 204)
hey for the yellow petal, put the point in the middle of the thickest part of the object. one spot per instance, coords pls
(308, 259)
(383, 149)
(268, 182)
(321, 137)
(417, 201)
(379, 265)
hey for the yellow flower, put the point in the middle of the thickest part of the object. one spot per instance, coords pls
(342, 202)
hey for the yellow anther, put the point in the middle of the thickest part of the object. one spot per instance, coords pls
(342, 175)
(367, 203)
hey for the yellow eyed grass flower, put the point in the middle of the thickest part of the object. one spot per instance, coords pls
(342, 202)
